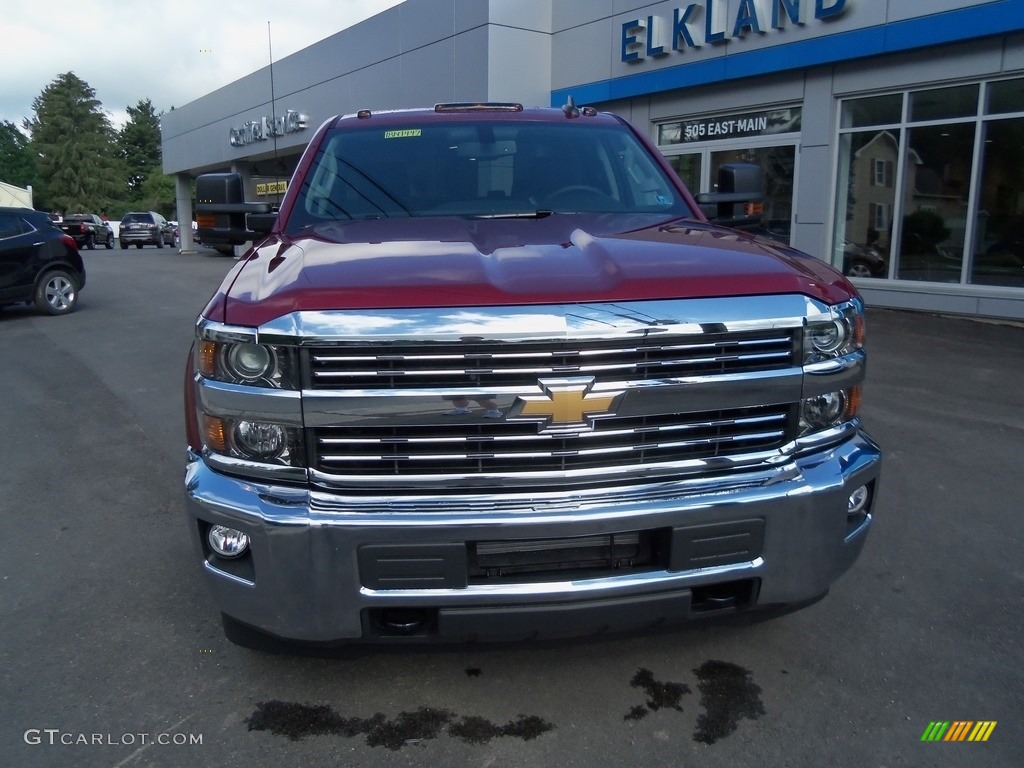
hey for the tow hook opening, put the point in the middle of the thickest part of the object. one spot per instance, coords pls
(402, 622)
(730, 595)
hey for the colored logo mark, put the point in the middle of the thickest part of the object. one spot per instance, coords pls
(959, 730)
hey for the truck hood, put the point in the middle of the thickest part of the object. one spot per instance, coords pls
(554, 259)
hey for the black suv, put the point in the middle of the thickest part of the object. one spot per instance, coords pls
(142, 227)
(38, 262)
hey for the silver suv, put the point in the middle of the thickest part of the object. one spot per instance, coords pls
(142, 227)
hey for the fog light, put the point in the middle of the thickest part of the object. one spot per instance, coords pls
(227, 542)
(858, 501)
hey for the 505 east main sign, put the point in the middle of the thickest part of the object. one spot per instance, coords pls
(708, 23)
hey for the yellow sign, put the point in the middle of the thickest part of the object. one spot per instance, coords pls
(271, 188)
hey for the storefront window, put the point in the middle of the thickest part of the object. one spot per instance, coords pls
(874, 110)
(867, 200)
(944, 103)
(905, 186)
(937, 176)
(999, 228)
(1005, 96)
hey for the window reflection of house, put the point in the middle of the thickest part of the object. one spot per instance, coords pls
(872, 182)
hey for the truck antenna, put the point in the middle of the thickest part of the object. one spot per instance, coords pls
(273, 116)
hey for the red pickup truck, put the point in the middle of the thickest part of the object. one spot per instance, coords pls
(489, 373)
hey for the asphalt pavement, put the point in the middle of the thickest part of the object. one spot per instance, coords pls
(112, 652)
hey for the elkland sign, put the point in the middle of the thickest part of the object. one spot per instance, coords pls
(267, 128)
(708, 23)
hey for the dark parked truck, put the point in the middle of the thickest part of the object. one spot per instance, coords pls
(87, 229)
(489, 373)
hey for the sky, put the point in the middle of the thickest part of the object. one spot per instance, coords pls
(169, 52)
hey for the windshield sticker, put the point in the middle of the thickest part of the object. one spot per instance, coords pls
(407, 133)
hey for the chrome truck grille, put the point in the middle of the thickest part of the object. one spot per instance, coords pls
(483, 364)
(509, 448)
(551, 397)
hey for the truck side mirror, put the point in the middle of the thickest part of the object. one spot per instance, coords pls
(738, 201)
(221, 211)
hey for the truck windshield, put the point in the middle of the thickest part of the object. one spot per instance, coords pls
(482, 169)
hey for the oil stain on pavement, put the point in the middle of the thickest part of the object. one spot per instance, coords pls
(727, 691)
(659, 695)
(728, 694)
(297, 721)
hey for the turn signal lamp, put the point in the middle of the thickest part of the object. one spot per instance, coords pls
(214, 433)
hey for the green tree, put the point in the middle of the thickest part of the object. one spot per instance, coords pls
(157, 194)
(138, 144)
(75, 147)
(17, 163)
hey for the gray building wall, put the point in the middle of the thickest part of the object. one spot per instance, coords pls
(414, 54)
(539, 51)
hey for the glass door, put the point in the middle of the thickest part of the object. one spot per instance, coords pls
(687, 167)
(778, 168)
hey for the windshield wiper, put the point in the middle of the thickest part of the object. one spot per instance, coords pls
(538, 214)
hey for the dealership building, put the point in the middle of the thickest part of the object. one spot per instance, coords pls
(890, 133)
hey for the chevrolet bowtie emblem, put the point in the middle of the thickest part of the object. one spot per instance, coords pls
(565, 403)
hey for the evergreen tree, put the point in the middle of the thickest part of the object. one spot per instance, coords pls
(17, 163)
(157, 194)
(75, 147)
(139, 145)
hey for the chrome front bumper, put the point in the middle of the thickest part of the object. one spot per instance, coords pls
(326, 568)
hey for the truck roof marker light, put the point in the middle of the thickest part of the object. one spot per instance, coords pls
(363, 114)
(479, 106)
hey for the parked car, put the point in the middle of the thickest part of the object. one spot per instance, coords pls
(858, 260)
(38, 262)
(88, 229)
(863, 260)
(140, 228)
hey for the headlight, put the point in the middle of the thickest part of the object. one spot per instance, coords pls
(259, 441)
(828, 337)
(839, 333)
(822, 411)
(829, 409)
(248, 361)
(249, 440)
(244, 362)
